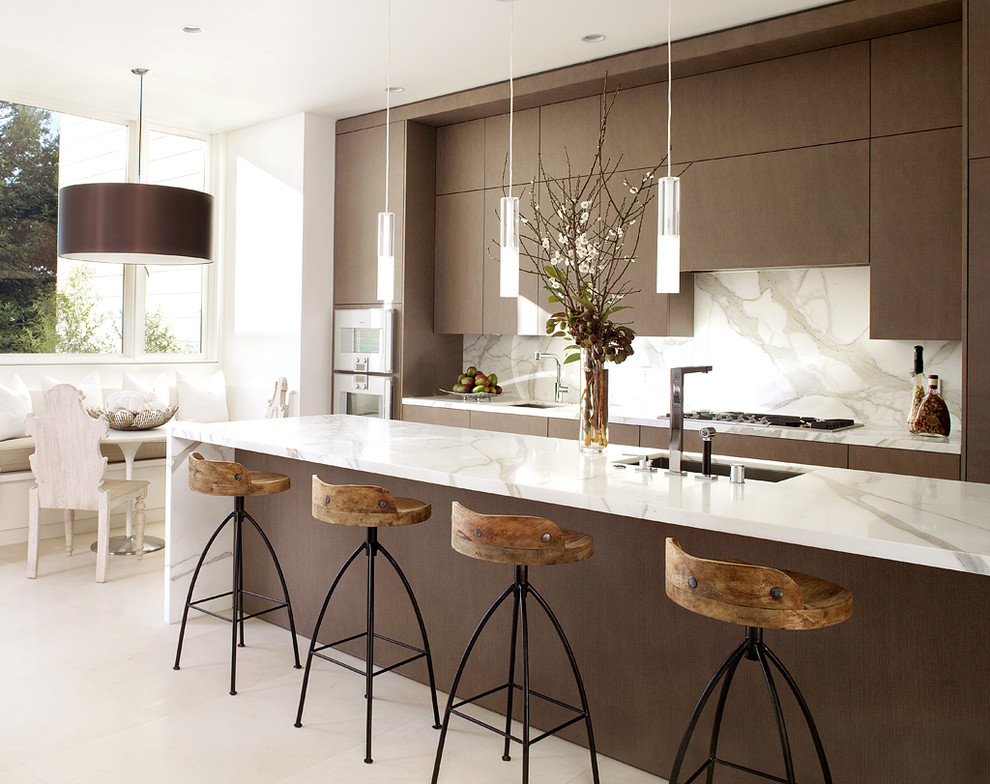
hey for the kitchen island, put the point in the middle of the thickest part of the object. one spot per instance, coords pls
(899, 690)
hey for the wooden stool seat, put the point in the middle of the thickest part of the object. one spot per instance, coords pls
(516, 539)
(750, 595)
(222, 478)
(758, 598)
(366, 506)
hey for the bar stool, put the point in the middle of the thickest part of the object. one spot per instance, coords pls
(220, 478)
(371, 508)
(758, 598)
(523, 542)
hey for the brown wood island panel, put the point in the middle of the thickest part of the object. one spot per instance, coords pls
(898, 691)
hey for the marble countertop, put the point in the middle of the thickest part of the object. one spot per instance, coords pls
(865, 435)
(931, 522)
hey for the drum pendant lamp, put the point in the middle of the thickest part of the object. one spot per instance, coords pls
(133, 222)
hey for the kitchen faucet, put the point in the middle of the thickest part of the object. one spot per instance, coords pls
(677, 413)
(559, 387)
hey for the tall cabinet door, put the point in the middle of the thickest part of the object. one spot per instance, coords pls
(458, 290)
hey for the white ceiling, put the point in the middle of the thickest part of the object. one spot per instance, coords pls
(263, 59)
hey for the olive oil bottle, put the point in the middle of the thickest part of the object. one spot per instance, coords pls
(919, 387)
(933, 414)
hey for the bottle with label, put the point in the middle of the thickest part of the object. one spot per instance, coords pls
(919, 384)
(933, 414)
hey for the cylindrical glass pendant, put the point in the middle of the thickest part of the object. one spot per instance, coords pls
(386, 256)
(669, 235)
(509, 241)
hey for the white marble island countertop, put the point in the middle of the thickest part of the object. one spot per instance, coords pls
(863, 435)
(931, 522)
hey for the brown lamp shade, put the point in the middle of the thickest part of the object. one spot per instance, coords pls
(135, 223)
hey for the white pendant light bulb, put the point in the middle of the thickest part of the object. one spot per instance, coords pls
(386, 219)
(668, 209)
(509, 207)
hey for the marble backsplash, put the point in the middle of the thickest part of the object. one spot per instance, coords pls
(789, 341)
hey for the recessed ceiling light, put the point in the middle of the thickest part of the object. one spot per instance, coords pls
(193, 30)
(395, 89)
(593, 38)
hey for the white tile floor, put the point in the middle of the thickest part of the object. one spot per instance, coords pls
(88, 694)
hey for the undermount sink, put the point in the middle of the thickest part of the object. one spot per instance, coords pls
(756, 473)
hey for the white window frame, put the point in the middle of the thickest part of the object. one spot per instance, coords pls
(132, 340)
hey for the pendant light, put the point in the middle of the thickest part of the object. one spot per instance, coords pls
(135, 223)
(669, 209)
(386, 219)
(509, 206)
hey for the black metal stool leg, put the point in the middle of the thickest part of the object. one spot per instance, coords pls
(717, 723)
(285, 589)
(369, 662)
(826, 773)
(523, 588)
(513, 643)
(237, 610)
(445, 724)
(192, 587)
(778, 713)
(316, 629)
(731, 661)
(422, 631)
(577, 678)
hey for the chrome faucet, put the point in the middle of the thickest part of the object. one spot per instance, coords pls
(677, 413)
(559, 388)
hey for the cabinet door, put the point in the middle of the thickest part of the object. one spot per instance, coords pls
(916, 236)
(461, 157)
(523, 315)
(458, 291)
(525, 148)
(569, 136)
(797, 208)
(359, 197)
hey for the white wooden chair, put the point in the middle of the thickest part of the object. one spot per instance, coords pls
(68, 470)
(278, 406)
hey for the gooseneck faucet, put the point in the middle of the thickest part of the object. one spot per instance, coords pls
(677, 413)
(559, 387)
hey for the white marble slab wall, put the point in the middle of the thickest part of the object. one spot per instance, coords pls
(790, 341)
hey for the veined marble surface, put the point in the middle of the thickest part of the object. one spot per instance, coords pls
(875, 435)
(931, 522)
(790, 341)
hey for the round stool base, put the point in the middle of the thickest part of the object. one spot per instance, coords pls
(127, 545)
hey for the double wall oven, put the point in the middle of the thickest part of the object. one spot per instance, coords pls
(364, 379)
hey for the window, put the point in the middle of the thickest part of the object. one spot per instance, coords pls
(57, 306)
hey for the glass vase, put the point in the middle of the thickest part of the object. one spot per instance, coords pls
(593, 417)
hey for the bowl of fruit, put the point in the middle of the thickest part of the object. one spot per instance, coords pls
(472, 384)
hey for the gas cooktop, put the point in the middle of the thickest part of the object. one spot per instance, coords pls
(771, 420)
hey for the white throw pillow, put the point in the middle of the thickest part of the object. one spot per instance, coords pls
(201, 400)
(15, 407)
(157, 390)
(90, 386)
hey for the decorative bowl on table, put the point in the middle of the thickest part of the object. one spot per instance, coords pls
(123, 419)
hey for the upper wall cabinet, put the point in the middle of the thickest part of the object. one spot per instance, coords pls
(797, 208)
(569, 136)
(979, 80)
(525, 149)
(916, 84)
(916, 236)
(460, 248)
(807, 99)
(461, 157)
(360, 189)
(636, 136)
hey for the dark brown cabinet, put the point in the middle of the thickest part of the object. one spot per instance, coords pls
(815, 98)
(525, 150)
(916, 236)
(569, 136)
(807, 207)
(461, 157)
(458, 287)
(360, 188)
